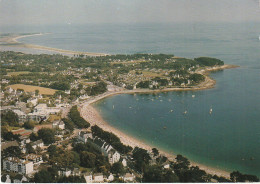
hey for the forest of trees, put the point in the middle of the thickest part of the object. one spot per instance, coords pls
(75, 117)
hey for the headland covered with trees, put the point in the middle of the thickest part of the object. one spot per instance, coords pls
(46, 136)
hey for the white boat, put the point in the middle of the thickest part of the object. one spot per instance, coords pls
(185, 112)
(210, 111)
(193, 96)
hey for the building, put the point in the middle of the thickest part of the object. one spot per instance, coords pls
(36, 159)
(124, 162)
(6, 178)
(36, 144)
(102, 145)
(17, 165)
(128, 177)
(98, 177)
(110, 177)
(58, 124)
(113, 156)
(21, 115)
(88, 177)
(64, 172)
(84, 135)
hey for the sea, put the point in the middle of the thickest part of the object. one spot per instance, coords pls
(229, 137)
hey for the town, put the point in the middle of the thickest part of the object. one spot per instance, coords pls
(45, 139)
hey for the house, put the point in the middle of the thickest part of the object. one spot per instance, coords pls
(76, 172)
(110, 177)
(36, 159)
(24, 140)
(128, 177)
(21, 115)
(33, 101)
(88, 177)
(102, 145)
(21, 106)
(84, 135)
(98, 177)
(6, 178)
(124, 162)
(17, 165)
(113, 156)
(64, 172)
(38, 116)
(58, 124)
(38, 143)
(19, 178)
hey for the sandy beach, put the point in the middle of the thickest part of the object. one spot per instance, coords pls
(89, 113)
(12, 41)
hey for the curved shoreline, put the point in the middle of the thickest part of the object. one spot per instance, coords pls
(89, 113)
(13, 40)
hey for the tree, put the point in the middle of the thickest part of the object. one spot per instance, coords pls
(68, 124)
(207, 61)
(36, 92)
(47, 135)
(71, 179)
(75, 117)
(52, 149)
(28, 125)
(87, 159)
(9, 118)
(236, 176)
(155, 174)
(12, 151)
(118, 168)
(9, 136)
(29, 148)
(33, 137)
(155, 152)
(43, 176)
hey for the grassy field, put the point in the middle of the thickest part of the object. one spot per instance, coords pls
(29, 88)
(17, 73)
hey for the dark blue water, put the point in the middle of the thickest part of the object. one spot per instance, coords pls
(229, 138)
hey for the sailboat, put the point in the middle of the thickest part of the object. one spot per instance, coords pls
(210, 110)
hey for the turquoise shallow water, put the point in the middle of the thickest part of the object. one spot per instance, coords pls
(229, 138)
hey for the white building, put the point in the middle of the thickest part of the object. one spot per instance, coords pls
(110, 177)
(38, 143)
(128, 177)
(88, 177)
(113, 156)
(98, 177)
(17, 165)
(64, 172)
(36, 159)
(58, 124)
(84, 135)
(124, 162)
(21, 115)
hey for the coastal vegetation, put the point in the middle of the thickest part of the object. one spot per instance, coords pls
(75, 117)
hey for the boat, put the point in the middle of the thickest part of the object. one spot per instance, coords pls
(193, 96)
(185, 112)
(164, 127)
(113, 107)
(210, 111)
(171, 110)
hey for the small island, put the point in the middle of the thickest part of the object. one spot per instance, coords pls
(46, 114)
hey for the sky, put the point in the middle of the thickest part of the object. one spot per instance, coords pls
(14, 12)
